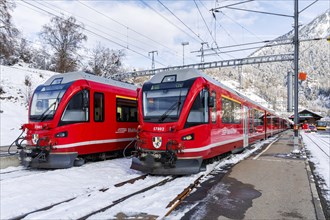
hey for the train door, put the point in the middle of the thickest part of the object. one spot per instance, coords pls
(245, 126)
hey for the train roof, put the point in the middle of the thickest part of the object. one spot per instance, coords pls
(190, 73)
(73, 76)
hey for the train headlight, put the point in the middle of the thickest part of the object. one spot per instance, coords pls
(61, 134)
(188, 137)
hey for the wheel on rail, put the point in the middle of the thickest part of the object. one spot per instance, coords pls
(78, 162)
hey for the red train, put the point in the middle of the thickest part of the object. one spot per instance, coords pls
(78, 116)
(186, 117)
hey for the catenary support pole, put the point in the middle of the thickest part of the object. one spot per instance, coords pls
(296, 66)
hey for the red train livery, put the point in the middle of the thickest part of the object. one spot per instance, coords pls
(186, 117)
(77, 116)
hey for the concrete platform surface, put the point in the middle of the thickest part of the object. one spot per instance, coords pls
(271, 184)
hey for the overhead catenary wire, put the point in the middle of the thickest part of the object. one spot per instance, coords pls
(168, 20)
(94, 33)
(240, 25)
(207, 27)
(101, 30)
(129, 28)
(200, 39)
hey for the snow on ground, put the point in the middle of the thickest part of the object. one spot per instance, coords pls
(25, 193)
(40, 187)
(15, 97)
(318, 144)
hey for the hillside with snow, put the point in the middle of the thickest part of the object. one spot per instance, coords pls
(17, 84)
(269, 80)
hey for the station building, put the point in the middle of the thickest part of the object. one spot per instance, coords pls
(307, 116)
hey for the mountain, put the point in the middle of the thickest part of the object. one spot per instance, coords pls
(270, 80)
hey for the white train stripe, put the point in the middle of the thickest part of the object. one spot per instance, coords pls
(78, 144)
(207, 147)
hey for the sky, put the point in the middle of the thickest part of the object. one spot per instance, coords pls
(139, 27)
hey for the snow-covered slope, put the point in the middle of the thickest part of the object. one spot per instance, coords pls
(314, 59)
(269, 80)
(17, 84)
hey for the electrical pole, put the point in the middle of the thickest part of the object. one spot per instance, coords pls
(183, 44)
(202, 52)
(296, 66)
(153, 58)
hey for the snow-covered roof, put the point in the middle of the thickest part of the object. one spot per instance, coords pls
(73, 76)
(307, 116)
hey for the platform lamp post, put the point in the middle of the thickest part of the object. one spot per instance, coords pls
(183, 44)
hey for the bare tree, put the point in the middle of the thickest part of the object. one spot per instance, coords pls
(65, 37)
(7, 30)
(105, 62)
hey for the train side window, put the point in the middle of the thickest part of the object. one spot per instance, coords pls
(231, 111)
(98, 107)
(77, 110)
(199, 113)
(214, 108)
(251, 117)
(126, 110)
(258, 120)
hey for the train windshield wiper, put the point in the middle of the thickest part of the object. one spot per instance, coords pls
(169, 110)
(43, 116)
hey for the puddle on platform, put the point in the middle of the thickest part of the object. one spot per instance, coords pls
(229, 198)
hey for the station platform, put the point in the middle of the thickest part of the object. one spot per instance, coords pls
(8, 160)
(271, 184)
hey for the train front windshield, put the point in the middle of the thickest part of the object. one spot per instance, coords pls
(45, 101)
(163, 105)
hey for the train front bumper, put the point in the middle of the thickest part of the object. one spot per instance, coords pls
(29, 158)
(181, 166)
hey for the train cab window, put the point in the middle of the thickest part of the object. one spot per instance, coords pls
(214, 108)
(231, 111)
(199, 113)
(126, 110)
(98, 107)
(77, 110)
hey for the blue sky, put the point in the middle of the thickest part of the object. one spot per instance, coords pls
(138, 27)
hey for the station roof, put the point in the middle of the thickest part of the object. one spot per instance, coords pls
(305, 114)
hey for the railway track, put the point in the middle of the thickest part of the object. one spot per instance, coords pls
(311, 139)
(167, 191)
(94, 194)
(116, 202)
(19, 173)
